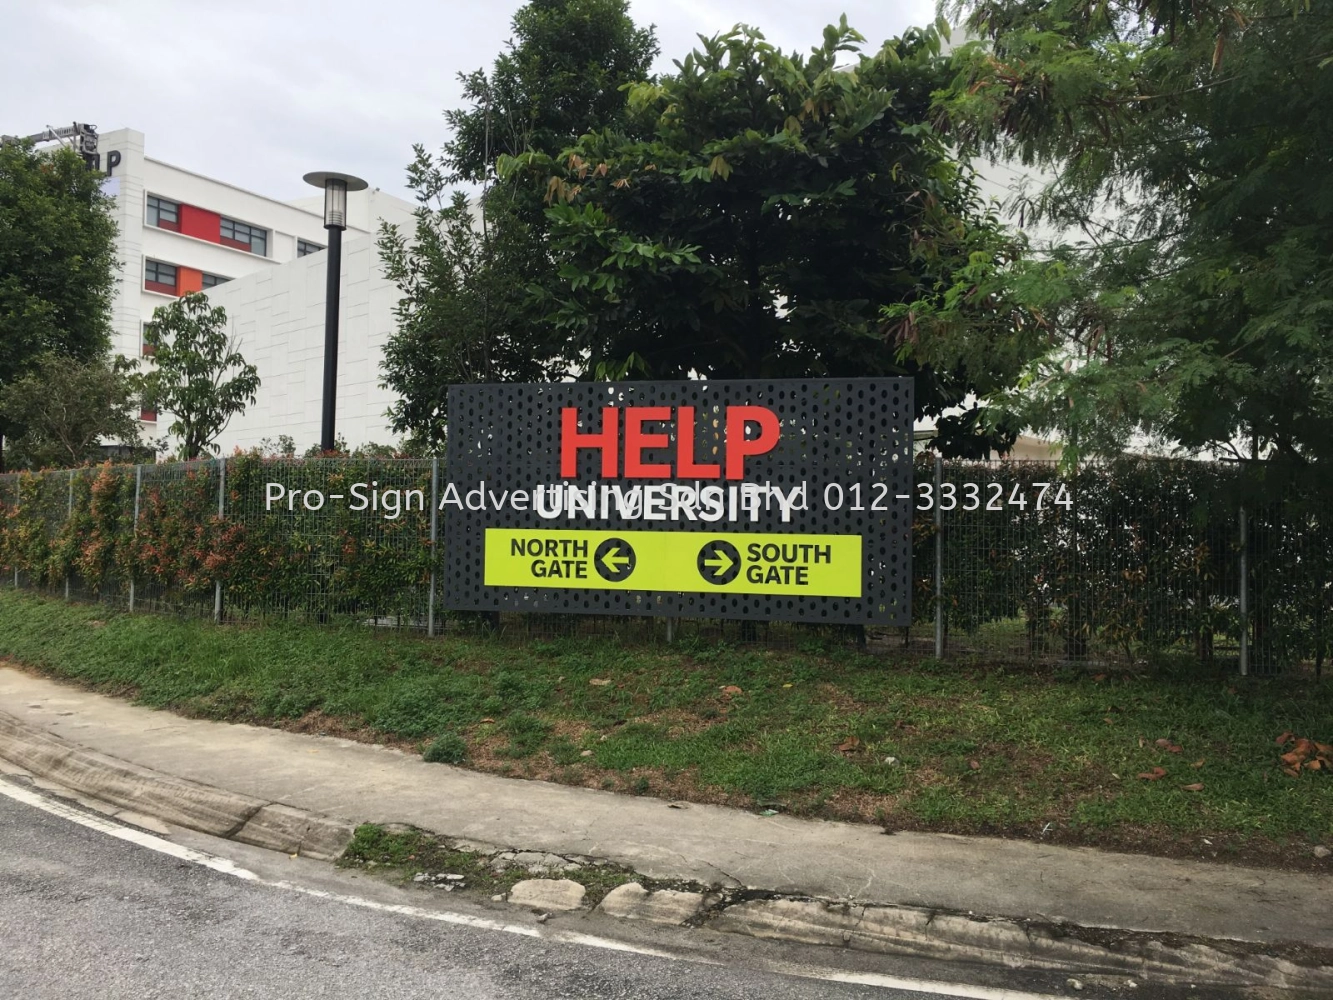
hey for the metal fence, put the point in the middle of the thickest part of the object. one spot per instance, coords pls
(1124, 562)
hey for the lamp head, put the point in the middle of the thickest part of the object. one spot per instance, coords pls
(335, 185)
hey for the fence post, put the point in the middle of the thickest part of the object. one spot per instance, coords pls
(138, 482)
(222, 495)
(69, 516)
(939, 560)
(18, 494)
(1244, 596)
(434, 534)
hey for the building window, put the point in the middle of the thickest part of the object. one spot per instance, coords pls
(164, 214)
(213, 280)
(146, 349)
(148, 416)
(159, 277)
(244, 236)
(305, 247)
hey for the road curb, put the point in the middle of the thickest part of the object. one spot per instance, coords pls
(186, 803)
(927, 933)
(861, 926)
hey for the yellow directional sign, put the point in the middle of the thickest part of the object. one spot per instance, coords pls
(695, 562)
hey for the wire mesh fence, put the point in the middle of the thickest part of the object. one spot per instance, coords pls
(1124, 562)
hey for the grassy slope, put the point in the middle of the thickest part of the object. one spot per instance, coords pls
(978, 750)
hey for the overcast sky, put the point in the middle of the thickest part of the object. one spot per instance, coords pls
(258, 92)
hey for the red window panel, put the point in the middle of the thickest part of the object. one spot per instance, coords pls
(199, 223)
(148, 416)
(158, 286)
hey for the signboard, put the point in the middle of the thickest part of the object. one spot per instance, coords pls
(780, 499)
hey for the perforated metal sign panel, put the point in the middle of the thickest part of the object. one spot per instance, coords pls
(782, 499)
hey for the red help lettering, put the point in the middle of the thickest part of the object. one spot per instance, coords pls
(747, 431)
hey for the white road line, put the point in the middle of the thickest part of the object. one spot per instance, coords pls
(141, 838)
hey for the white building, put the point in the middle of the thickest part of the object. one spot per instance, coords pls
(181, 232)
(277, 316)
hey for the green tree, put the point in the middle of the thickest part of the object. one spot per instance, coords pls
(464, 271)
(66, 406)
(1188, 145)
(559, 78)
(463, 314)
(197, 374)
(57, 262)
(761, 213)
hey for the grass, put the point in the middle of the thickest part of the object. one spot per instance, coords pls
(400, 854)
(1040, 753)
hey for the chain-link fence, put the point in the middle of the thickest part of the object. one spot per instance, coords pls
(1124, 562)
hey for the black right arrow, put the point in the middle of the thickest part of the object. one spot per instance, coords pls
(719, 562)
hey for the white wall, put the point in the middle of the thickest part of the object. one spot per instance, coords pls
(366, 209)
(136, 176)
(126, 184)
(278, 317)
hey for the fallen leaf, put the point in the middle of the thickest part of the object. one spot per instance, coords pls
(849, 744)
(1154, 774)
(731, 689)
(1142, 742)
(1109, 721)
(1313, 765)
(1175, 748)
(1324, 749)
(1099, 677)
(599, 682)
(786, 685)
(1197, 764)
(487, 720)
(1291, 771)
(1293, 759)
(1196, 787)
(1284, 737)
(769, 812)
(1163, 742)
(974, 765)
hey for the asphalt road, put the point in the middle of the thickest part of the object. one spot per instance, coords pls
(83, 914)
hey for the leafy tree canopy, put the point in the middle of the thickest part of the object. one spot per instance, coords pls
(560, 77)
(57, 262)
(197, 374)
(65, 407)
(760, 214)
(463, 316)
(1189, 148)
(464, 271)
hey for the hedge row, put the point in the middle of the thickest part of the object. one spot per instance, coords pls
(1145, 558)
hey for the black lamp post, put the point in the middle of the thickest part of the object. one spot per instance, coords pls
(335, 187)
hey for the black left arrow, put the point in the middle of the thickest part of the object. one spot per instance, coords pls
(614, 560)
